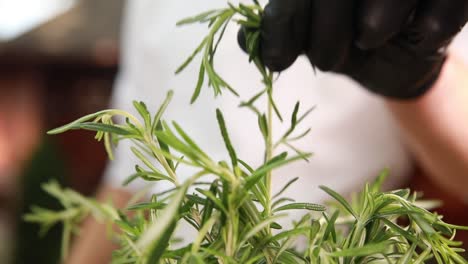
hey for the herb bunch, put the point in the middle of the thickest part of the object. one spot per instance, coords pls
(235, 216)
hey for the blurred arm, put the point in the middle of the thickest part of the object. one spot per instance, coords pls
(93, 245)
(436, 128)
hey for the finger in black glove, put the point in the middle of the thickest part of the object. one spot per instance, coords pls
(395, 48)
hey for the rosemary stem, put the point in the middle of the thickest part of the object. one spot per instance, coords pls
(162, 160)
(269, 153)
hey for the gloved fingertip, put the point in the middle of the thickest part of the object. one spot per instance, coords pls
(274, 59)
(241, 39)
(277, 62)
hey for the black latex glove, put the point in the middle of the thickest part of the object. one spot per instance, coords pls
(395, 48)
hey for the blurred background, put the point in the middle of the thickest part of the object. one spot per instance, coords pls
(58, 61)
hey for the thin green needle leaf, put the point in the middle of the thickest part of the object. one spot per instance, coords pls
(198, 18)
(171, 140)
(340, 199)
(148, 176)
(301, 136)
(145, 160)
(263, 125)
(209, 195)
(252, 100)
(275, 107)
(259, 227)
(367, 250)
(286, 187)
(162, 109)
(188, 139)
(145, 206)
(260, 173)
(73, 124)
(249, 13)
(247, 166)
(144, 113)
(192, 56)
(301, 206)
(287, 234)
(98, 127)
(408, 256)
(331, 227)
(196, 199)
(209, 204)
(248, 23)
(201, 80)
(227, 140)
(220, 37)
(155, 239)
(165, 148)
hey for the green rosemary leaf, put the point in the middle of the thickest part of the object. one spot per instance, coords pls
(301, 206)
(214, 49)
(248, 23)
(253, 43)
(145, 160)
(247, 166)
(287, 234)
(212, 197)
(340, 199)
(187, 62)
(209, 205)
(305, 115)
(155, 239)
(167, 137)
(74, 124)
(285, 187)
(376, 186)
(250, 14)
(145, 206)
(144, 113)
(227, 140)
(294, 116)
(201, 80)
(275, 107)
(331, 226)
(263, 125)
(300, 136)
(198, 18)
(276, 226)
(260, 173)
(423, 224)
(367, 250)
(396, 228)
(407, 258)
(148, 176)
(157, 118)
(195, 199)
(188, 139)
(165, 148)
(98, 127)
(281, 201)
(264, 224)
(252, 100)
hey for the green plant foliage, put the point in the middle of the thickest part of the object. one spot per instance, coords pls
(235, 216)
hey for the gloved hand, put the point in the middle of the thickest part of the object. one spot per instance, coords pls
(395, 48)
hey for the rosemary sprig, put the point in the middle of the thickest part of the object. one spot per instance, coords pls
(235, 216)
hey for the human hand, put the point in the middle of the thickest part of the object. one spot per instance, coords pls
(395, 48)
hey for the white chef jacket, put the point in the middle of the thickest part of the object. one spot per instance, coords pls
(353, 135)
